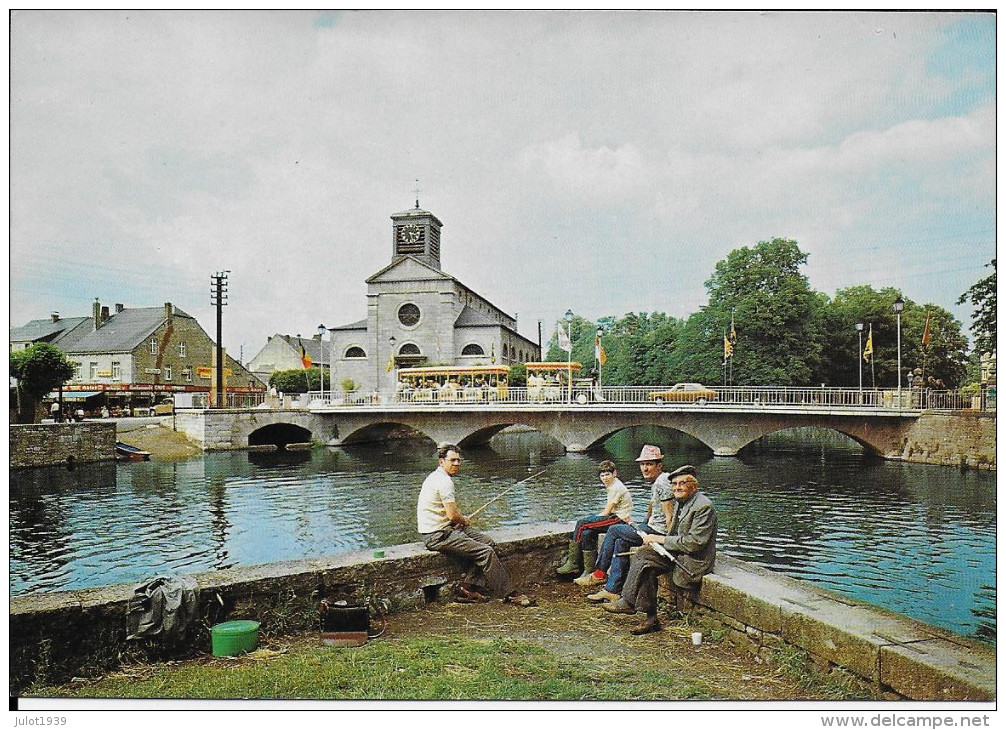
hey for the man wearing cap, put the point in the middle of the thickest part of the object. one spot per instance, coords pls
(612, 560)
(687, 552)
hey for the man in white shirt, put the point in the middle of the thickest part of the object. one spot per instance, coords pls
(445, 529)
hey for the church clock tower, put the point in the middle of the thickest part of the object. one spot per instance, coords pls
(416, 232)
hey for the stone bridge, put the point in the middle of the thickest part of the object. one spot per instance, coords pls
(724, 429)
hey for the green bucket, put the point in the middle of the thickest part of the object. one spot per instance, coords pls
(234, 637)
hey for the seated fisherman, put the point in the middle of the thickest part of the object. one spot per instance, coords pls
(689, 552)
(612, 560)
(617, 511)
(446, 530)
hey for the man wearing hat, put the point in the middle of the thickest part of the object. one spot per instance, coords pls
(687, 552)
(612, 560)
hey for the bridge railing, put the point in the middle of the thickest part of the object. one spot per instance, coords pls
(742, 396)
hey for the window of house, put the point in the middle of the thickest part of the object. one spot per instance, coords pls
(181, 349)
(187, 374)
(355, 352)
(167, 372)
(76, 370)
(153, 347)
(93, 371)
(116, 370)
(473, 349)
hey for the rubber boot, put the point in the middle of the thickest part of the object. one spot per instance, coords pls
(572, 564)
(589, 561)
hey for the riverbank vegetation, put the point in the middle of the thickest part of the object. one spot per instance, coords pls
(562, 649)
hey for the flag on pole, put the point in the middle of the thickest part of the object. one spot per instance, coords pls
(733, 331)
(599, 354)
(305, 359)
(728, 348)
(391, 363)
(564, 343)
(868, 350)
(492, 353)
(925, 334)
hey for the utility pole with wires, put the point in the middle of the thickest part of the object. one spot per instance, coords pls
(218, 298)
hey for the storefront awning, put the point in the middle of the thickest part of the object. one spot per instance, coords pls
(75, 395)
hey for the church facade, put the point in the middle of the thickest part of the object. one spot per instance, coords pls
(419, 315)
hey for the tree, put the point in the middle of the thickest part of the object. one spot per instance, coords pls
(39, 369)
(983, 322)
(776, 315)
(943, 358)
(637, 346)
(840, 340)
(298, 380)
(639, 349)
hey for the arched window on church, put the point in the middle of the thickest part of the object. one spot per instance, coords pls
(409, 349)
(355, 352)
(473, 349)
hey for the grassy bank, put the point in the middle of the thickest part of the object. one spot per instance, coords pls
(563, 649)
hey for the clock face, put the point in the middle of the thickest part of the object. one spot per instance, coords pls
(412, 233)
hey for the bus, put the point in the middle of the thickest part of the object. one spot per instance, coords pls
(550, 381)
(452, 384)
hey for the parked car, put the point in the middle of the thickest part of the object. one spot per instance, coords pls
(684, 393)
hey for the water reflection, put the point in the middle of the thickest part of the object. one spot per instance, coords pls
(915, 539)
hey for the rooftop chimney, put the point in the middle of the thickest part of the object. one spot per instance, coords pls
(96, 313)
(168, 310)
(104, 315)
(55, 316)
(119, 308)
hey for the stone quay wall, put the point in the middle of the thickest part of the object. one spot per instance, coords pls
(48, 444)
(60, 635)
(965, 439)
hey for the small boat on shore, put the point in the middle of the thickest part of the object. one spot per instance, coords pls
(126, 452)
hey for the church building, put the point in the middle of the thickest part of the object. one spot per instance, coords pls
(419, 315)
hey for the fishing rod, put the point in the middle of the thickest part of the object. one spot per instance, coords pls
(660, 549)
(472, 515)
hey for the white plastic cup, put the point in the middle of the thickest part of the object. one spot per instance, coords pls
(696, 638)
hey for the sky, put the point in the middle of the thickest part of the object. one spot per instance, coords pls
(602, 162)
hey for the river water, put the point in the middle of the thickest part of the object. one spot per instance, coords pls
(915, 539)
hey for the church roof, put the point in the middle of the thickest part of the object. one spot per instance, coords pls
(408, 257)
(417, 213)
(471, 317)
(361, 325)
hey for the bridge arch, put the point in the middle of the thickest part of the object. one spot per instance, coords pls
(600, 437)
(279, 435)
(381, 431)
(850, 434)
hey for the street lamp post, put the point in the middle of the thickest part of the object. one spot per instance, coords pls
(391, 363)
(859, 331)
(569, 355)
(599, 350)
(321, 358)
(899, 304)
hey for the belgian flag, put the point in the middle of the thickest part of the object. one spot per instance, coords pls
(305, 359)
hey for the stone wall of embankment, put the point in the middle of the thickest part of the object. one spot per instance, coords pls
(54, 637)
(47, 444)
(963, 438)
